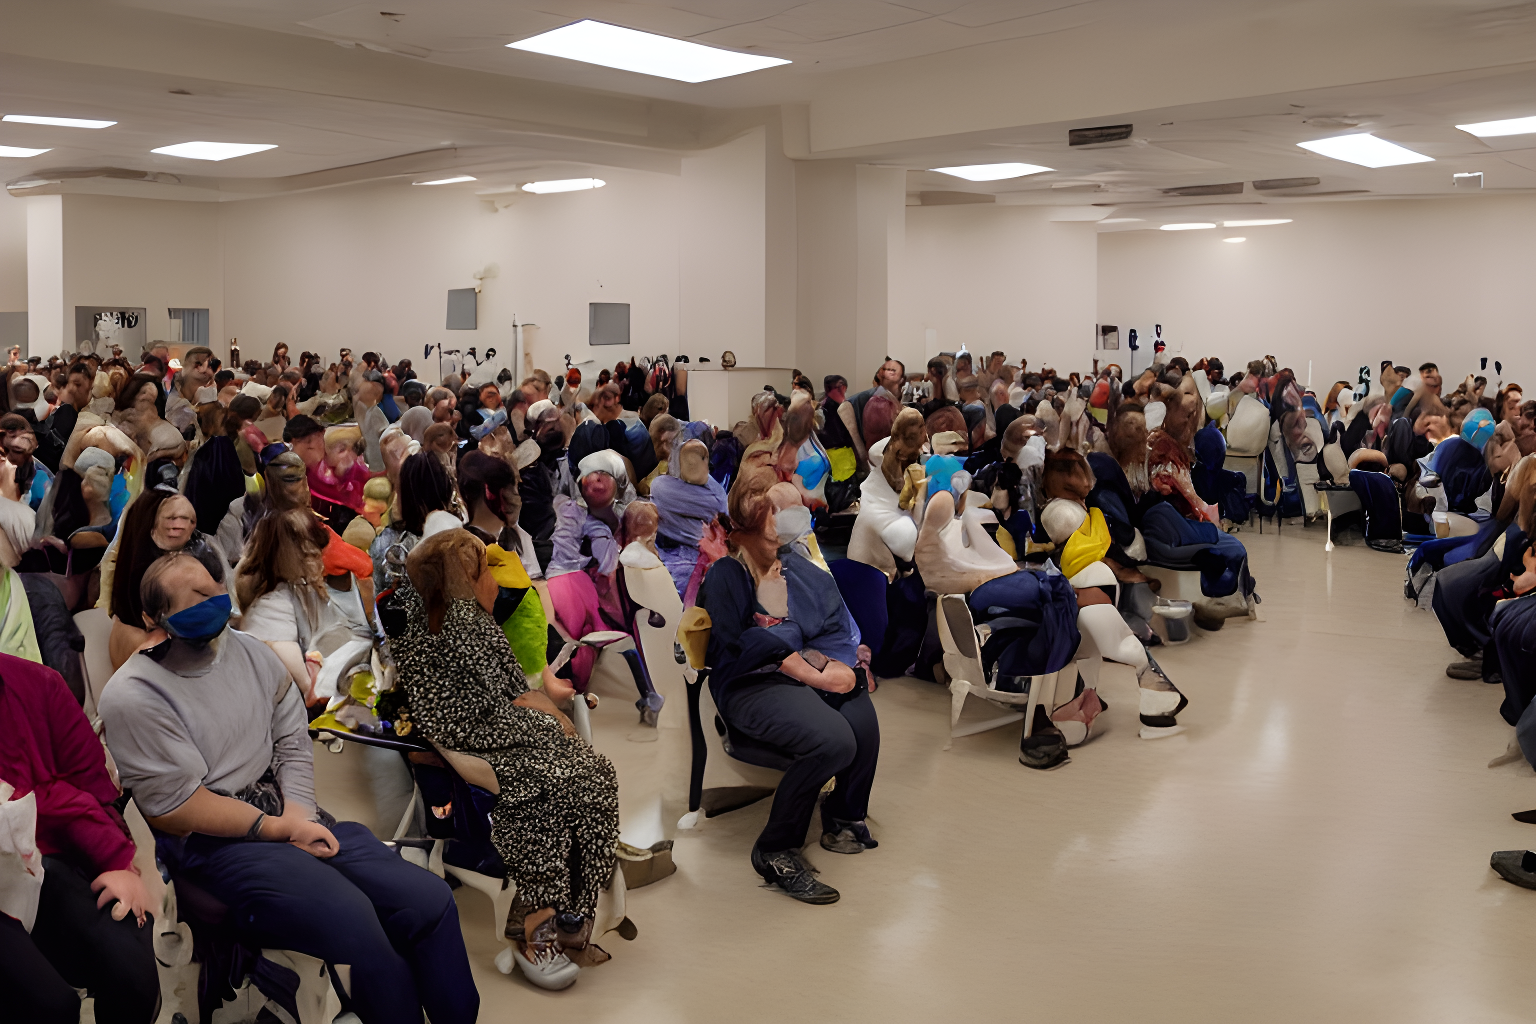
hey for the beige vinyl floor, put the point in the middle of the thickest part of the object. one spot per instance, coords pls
(1314, 848)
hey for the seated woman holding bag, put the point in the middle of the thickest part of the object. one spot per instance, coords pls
(556, 819)
(787, 675)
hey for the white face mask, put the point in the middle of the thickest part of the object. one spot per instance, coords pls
(792, 524)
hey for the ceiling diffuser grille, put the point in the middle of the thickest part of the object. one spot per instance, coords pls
(1093, 136)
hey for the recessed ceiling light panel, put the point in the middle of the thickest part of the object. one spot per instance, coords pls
(1255, 223)
(1493, 129)
(20, 151)
(595, 42)
(61, 122)
(213, 150)
(1235, 238)
(1194, 226)
(564, 185)
(447, 181)
(1365, 150)
(992, 172)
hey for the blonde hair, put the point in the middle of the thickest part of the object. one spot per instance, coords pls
(348, 435)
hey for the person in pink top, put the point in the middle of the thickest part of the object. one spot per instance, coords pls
(336, 479)
(92, 929)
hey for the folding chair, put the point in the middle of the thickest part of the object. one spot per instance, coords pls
(193, 925)
(96, 626)
(741, 772)
(602, 641)
(1335, 499)
(962, 641)
(456, 791)
(657, 611)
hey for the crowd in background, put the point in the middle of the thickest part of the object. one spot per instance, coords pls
(409, 560)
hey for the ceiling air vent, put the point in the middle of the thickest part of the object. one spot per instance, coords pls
(1269, 184)
(1094, 136)
(1231, 188)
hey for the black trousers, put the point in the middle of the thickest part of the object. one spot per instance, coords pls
(1463, 601)
(75, 945)
(825, 742)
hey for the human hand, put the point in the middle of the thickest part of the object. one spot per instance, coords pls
(559, 690)
(310, 836)
(538, 700)
(126, 888)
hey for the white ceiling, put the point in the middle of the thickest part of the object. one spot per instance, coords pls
(405, 88)
(818, 36)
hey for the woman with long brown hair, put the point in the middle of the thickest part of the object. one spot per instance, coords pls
(280, 587)
(158, 522)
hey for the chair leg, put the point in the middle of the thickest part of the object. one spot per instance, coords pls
(958, 688)
(1042, 693)
(500, 891)
(409, 817)
(581, 718)
(699, 754)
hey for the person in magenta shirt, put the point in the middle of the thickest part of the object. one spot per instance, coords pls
(92, 928)
(336, 478)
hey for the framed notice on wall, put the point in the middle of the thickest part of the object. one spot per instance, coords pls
(1109, 338)
(98, 328)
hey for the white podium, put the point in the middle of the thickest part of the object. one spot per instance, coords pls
(724, 397)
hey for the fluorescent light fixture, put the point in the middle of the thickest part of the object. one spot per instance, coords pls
(595, 42)
(1193, 226)
(1255, 223)
(564, 185)
(992, 172)
(213, 150)
(448, 181)
(1235, 238)
(19, 151)
(1365, 150)
(1493, 129)
(61, 122)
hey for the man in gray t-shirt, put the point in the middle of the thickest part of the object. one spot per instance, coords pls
(210, 736)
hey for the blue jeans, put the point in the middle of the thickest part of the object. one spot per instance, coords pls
(393, 923)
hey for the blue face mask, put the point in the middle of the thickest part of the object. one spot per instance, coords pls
(201, 622)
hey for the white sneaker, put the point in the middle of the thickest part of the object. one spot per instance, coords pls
(551, 970)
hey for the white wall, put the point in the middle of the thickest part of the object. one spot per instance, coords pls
(850, 225)
(48, 329)
(999, 277)
(142, 252)
(13, 253)
(369, 268)
(723, 251)
(1347, 284)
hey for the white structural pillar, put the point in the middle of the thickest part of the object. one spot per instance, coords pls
(737, 251)
(48, 328)
(851, 247)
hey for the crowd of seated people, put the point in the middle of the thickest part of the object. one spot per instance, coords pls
(262, 536)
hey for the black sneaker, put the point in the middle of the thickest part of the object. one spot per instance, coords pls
(846, 836)
(791, 874)
(1472, 668)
